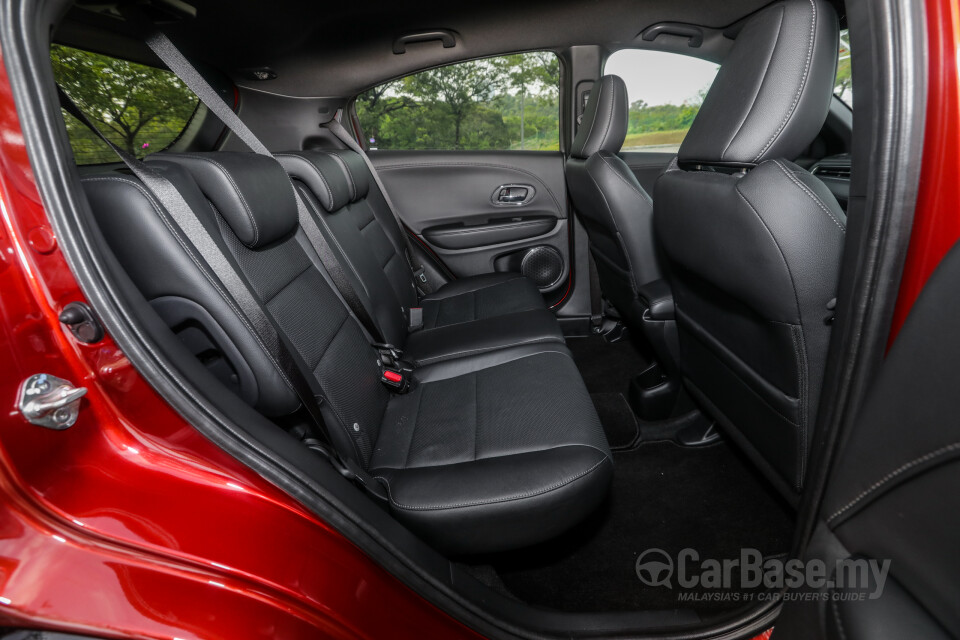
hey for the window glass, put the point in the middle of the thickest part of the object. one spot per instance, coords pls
(665, 92)
(139, 108)
(843, 86)
(508, 102)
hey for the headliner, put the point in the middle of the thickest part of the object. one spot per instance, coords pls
(339, 49)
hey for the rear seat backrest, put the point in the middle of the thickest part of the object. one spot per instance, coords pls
(491, 450)
(247, 201)
(366, 207)
(338, 204)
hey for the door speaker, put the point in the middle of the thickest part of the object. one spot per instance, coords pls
(543, 265)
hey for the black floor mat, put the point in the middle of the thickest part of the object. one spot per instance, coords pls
(617, 419)
(607, 367)
(663, 496)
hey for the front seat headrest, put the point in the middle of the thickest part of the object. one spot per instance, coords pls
(604, 124)
(772, 93)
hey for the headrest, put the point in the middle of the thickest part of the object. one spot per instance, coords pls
(358, 176)
(772, 93)
(604, 123)
(251, 191)
(323, 173)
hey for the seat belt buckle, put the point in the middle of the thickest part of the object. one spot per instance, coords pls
(414, 318)
(394, 379)
(389, 355)
(421, 275)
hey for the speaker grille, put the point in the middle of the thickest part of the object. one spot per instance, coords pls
(543, 265)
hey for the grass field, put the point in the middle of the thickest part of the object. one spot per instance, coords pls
(654, 138)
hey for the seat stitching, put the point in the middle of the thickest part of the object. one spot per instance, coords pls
(416, 417)
(950, 448)
(639, 192)
(811, 194)
(835, 605)
(753, 102)
(606, 129)
(803, 82)
(476, 413)
(210, 278)
(777, 245)
(476, 503)
(593, 122)
(482, 349)
(616, 227)
(333, 240)
(253, 221)
(481, 288)
(747, 385)
(346, 169)
(800, 349)
(308, 267)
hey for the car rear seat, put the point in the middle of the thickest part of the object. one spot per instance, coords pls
(486, 452)
(470, 315)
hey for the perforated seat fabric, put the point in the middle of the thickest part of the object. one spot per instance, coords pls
(487, 451)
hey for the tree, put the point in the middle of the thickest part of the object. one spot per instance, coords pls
(460, 87)
(375, 105)
(128, 99)
(541, 70)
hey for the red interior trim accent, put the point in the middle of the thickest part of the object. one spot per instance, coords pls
(936, 223)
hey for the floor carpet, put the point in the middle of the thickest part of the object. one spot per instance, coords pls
(607, 369)
(663, 496)
(616, 416)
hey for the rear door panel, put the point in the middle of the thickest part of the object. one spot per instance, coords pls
(451, 200)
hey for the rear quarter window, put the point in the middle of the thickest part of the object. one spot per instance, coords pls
(665, 92)
(139, 108)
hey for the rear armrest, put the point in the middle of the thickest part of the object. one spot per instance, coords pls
(658, 297)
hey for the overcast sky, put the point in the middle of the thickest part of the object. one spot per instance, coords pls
(660, 78)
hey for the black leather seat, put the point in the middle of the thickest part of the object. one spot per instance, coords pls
(615, 210)
(486, 452)
(752, 242)
(465, 316)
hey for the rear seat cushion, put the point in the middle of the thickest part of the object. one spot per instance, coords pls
(479, 297)
(486, 452)
(434, 345)
(526, 460)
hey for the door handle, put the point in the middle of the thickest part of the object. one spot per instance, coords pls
(512, 194)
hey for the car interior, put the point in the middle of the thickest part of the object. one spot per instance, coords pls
(514, 364)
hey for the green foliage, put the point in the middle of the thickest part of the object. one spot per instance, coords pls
(510, 102)
(139, 108)
(843, 85)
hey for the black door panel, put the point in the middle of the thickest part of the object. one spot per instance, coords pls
(483, 211)
(647, 165)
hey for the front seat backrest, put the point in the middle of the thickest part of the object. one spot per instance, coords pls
(615, 210)
(752, 242)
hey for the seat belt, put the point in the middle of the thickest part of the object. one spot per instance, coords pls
(419, 273)
(161, 45)
(251, 313)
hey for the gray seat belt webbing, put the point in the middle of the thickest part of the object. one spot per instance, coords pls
(251, 313)
(161, 45)
(344, 136)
